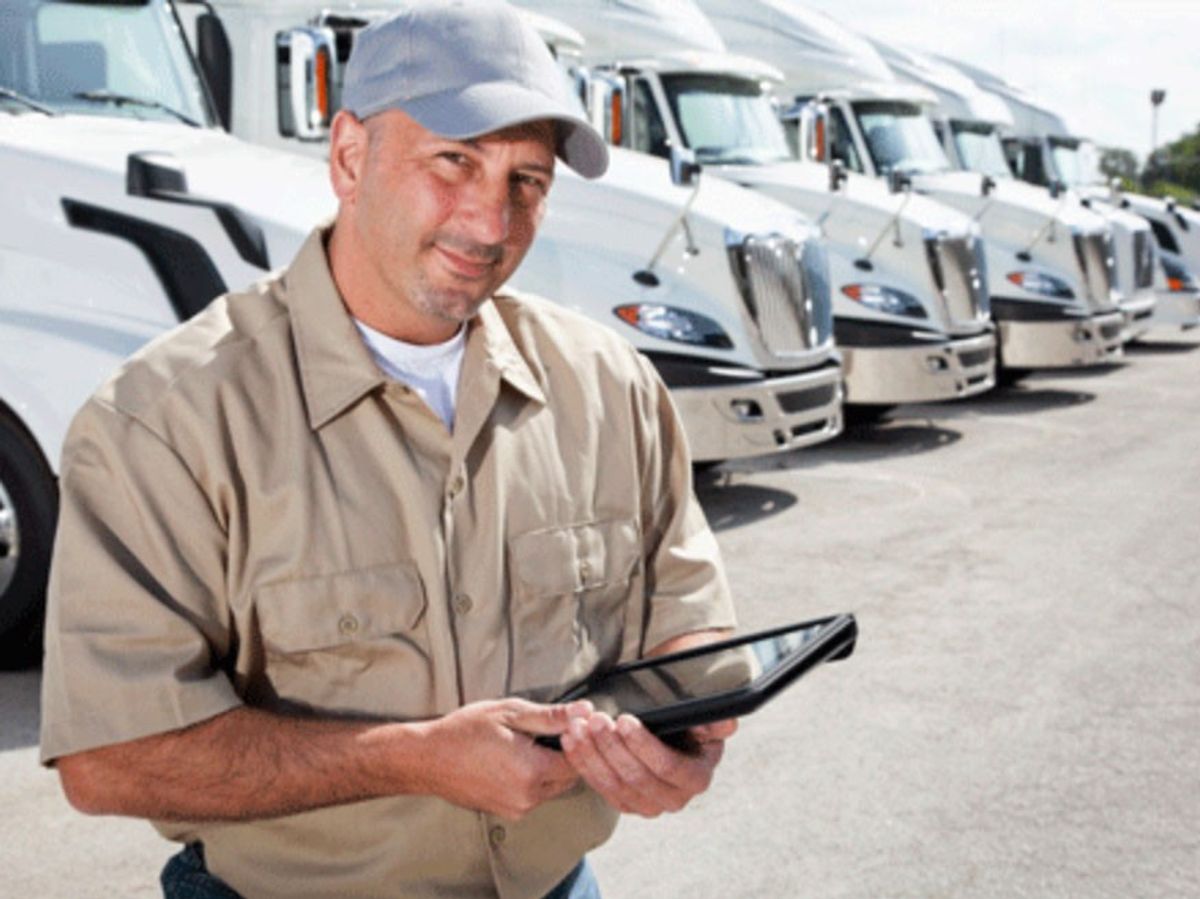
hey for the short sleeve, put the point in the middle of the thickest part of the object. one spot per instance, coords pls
(136, 610)
(686, 587)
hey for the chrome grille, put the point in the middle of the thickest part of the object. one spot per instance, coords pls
(960, 272)
(1143, 259)
(1095, 255)
(785, 286)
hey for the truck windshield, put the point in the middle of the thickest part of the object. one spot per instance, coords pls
(113, 59)
(725, 119)
(980, 149)
(899, 137)
(1075, 162)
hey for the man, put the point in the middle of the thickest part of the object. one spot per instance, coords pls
(310, 539)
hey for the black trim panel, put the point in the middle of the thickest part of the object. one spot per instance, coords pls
(146, 176)
(184, 269)
(689, 371)
(856, 332)
(1010, 310)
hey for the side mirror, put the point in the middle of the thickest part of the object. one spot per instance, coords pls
(814, 132)
(987, 185)
(685, 171)
(604, 97)
(306, 79)
(215, 57)
(1056, 189)
(837, 175)
(898, 181)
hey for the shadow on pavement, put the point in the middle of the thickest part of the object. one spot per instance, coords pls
(1159, 348)
(1018, 399)
(729, 504)
(19, 709)
(1102, 370)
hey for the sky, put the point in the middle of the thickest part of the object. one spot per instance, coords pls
(1093, 61)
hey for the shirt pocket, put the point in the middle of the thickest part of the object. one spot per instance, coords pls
(570, 593)
(351, 642)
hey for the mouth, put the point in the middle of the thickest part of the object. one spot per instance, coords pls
(467, 267)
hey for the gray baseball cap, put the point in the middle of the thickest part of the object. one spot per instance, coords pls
(465, 68)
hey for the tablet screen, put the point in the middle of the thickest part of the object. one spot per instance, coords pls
(651, 684)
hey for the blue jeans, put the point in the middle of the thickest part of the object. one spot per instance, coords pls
(186, 877)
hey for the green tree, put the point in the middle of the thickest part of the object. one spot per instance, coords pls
(1117, 162)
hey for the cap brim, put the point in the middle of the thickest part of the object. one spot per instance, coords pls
(480, 109)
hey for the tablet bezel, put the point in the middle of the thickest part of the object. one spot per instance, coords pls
(675, 719)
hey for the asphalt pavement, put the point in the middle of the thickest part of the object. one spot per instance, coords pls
(1020, 717)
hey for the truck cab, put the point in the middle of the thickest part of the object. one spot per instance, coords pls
(1049, 265)
(1158, 245)
(127, 210)
(910, 306)
(746, 347)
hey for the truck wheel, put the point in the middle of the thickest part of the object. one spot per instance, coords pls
(28, 512)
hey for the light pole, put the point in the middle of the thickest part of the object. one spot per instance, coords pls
(1156, 97)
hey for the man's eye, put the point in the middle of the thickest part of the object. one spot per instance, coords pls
(451, 156)
(532, 182)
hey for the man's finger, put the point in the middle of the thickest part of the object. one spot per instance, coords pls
(532, 718)
(718, 730)
(678, 769)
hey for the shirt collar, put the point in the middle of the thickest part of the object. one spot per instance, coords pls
(336, 368)
(500, 350)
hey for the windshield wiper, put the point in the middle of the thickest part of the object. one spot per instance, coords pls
(7, 93)
(128, 100)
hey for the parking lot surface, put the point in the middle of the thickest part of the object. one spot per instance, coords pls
(1020, 717)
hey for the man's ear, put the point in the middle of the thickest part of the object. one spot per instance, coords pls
(348, 146)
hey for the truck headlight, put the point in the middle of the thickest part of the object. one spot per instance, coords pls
(885, 299)
(1179, 279)
(673, 323)
(1040, 282)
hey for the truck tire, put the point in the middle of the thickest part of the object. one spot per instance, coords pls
(28, 512)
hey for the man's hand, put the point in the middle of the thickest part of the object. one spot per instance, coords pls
(484, 756)
(635, 771)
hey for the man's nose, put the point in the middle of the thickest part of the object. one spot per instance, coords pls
(486, 210)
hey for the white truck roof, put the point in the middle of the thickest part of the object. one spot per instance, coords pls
(629, 28)
(815, 52)
(958, 96)
(1030, 115)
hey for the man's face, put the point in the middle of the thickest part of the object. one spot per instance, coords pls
(440, 224)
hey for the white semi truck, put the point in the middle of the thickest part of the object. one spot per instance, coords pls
(910, 304)
(1042, 149)
(963, 112)
(747, 352)
(128, 209)
(1050, 264)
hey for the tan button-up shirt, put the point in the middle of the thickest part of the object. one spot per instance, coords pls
(253, 514)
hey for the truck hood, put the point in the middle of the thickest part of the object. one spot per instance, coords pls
(283, 191)
(806, 185)
(1019, 204)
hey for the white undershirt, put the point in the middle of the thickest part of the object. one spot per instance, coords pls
(430, 370)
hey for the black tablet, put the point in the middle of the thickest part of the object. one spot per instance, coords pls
(672, 693)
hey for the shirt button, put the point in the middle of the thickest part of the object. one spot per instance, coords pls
(456, 486)
(585, 572)
(462, 603)
(347, 625)
(497, 835)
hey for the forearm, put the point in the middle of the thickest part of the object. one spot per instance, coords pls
(690, 641)
(245, 764)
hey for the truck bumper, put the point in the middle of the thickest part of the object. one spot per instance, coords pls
(1035, 335)
(765, 416)
(920, 373)
(1177, 308)
(1139, 316)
